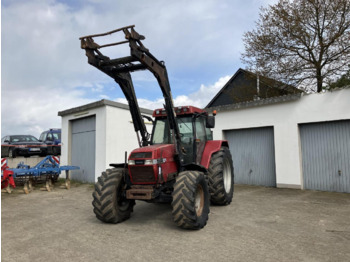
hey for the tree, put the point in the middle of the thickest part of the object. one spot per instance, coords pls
(305, 43)
(343, 81)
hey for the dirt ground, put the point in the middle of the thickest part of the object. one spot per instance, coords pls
(261, 224)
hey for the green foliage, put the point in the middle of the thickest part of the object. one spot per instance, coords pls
(343, 81)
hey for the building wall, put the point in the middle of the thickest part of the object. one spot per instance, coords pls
(120, 135)
(285, 117)
(66, 136)
(114, 135)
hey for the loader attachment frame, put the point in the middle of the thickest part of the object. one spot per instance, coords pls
(120, 68)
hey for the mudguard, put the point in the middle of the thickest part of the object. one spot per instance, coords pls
(210, 148)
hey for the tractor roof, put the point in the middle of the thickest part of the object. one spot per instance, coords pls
(180, 110)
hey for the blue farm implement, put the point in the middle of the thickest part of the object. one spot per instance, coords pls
(47, 170)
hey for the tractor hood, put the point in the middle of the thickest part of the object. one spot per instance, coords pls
(154, 152)
(152, 164)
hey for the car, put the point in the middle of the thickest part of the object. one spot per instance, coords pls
(22, 145)
(52, 138)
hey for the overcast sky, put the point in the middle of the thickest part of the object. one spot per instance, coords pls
(43, 69)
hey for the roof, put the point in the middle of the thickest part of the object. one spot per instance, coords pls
(100, 103)
(261, 102)
(247, 91)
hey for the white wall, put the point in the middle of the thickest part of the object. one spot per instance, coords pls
(66, 136)
(120, 135)
(114, 135)
(285, 117)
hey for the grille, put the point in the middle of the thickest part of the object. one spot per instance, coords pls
(142, 174)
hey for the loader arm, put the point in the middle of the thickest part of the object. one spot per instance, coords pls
(119, 69)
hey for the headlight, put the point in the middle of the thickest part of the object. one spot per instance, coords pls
(150, 161)
(131, 162)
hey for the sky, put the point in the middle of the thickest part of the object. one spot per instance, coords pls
(44, 70)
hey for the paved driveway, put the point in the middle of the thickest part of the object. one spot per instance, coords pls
(261, 224)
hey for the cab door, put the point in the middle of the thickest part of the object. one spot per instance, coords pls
(200, 138)
(186, 129)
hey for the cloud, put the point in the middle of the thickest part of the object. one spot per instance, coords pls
(44, 70)
(199, 98)
(37, 112)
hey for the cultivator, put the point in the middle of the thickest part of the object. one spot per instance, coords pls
(47, 171)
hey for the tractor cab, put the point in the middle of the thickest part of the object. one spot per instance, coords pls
(194, 125)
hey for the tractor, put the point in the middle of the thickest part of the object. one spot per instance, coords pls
(178, 163)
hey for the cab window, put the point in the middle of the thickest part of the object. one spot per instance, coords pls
(209, 134)
(49, 137)
(200, 131)
(42, 136)
(161, 132)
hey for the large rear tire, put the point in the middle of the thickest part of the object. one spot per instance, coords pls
(221, 177)
(190, 200)
(110, 204)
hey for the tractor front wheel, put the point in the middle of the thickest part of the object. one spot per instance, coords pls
(110, 204)
(190, 200)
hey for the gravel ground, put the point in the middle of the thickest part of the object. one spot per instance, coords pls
(261, 224)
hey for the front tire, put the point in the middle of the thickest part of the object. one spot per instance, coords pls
(12, 153)
(110, 204)
(55, 150)
(221, 177)
(190, 200)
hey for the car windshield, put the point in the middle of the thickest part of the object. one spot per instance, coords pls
(23, 139)
(57, 136)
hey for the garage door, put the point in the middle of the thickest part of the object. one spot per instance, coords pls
(326, 156)
(253, 155)
(83, 148)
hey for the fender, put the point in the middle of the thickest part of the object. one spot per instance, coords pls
(119, 165)
(210, 148)
(195, 167)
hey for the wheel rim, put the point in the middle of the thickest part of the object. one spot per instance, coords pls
(227, 176)
(199, 200)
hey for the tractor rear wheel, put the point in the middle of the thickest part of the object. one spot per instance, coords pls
(110, 204)
(190, 200)
(221, 177)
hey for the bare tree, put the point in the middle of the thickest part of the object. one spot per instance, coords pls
(305, 43)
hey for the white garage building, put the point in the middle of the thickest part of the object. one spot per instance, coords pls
(96, 135)
(293, 141)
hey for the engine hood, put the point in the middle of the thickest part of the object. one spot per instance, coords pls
(154, 152)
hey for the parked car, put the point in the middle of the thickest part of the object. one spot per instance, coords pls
(52, 138)
(24, 145)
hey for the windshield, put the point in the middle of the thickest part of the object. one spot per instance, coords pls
(57, 136)
(23, 139)
(161, 133)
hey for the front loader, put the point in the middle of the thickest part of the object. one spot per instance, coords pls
(178, 162)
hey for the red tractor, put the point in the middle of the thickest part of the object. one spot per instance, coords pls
(178, 163)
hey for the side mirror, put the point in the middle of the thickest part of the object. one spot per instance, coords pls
(148, 118)
(210, 122)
